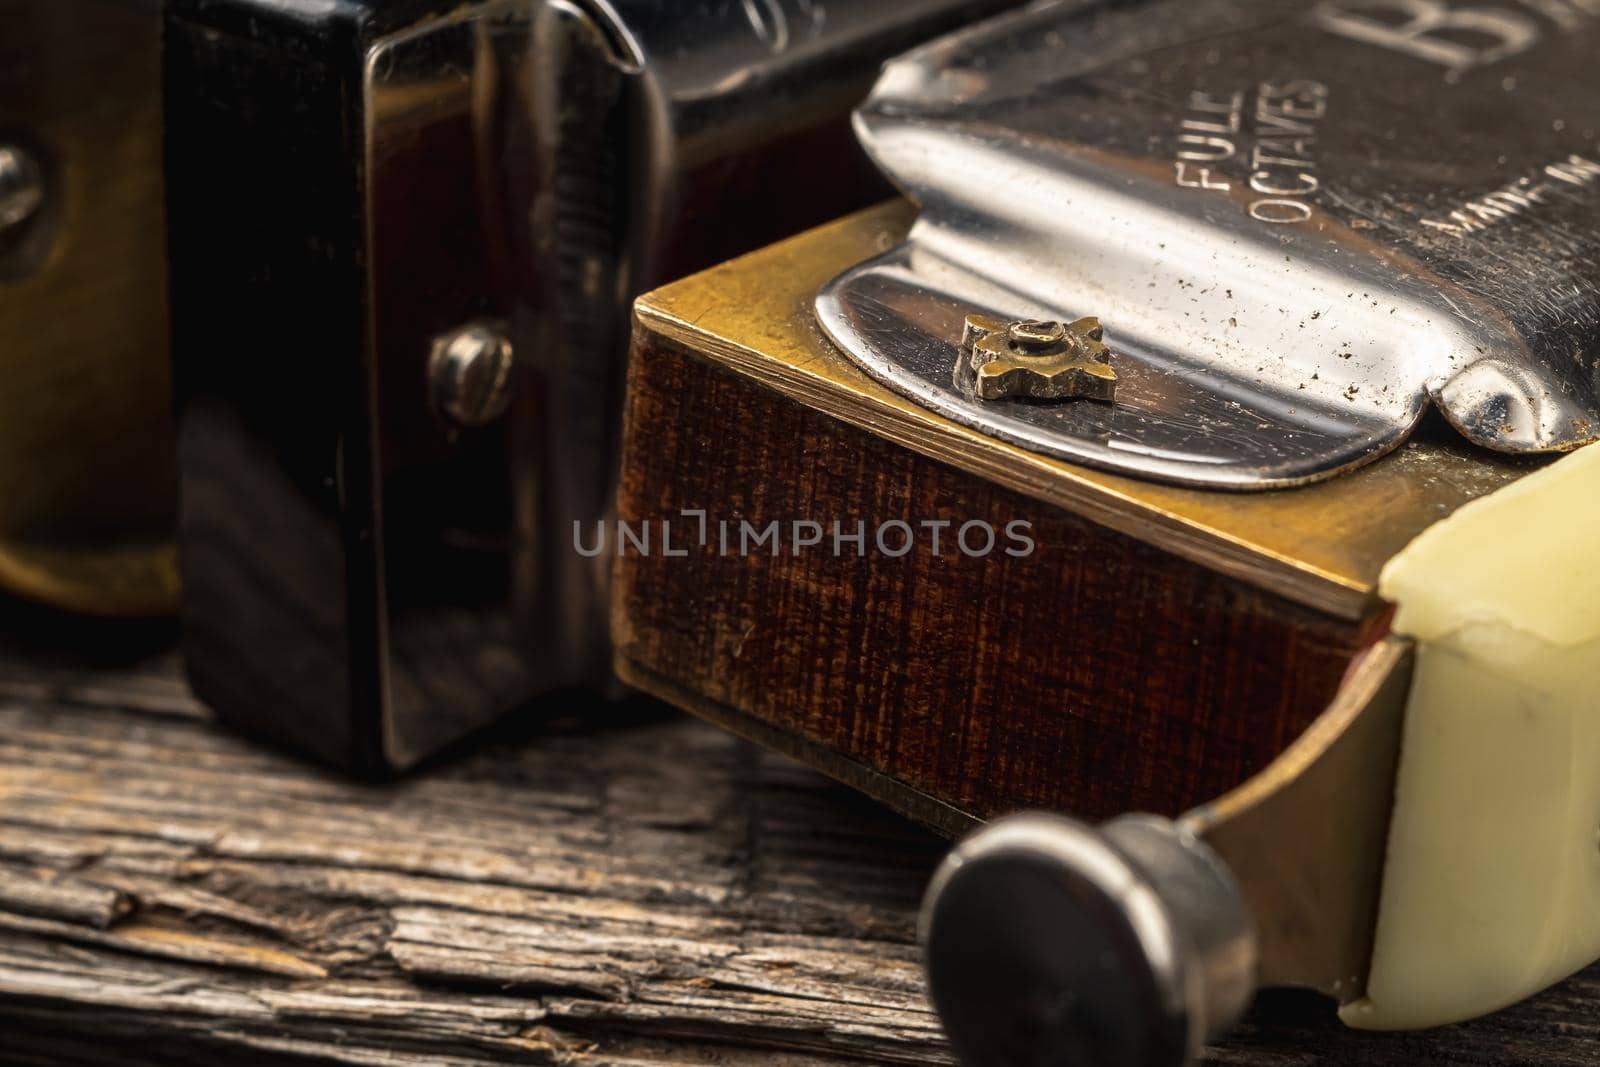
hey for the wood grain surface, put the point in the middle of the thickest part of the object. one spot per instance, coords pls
(1095, 674)
(590, 886)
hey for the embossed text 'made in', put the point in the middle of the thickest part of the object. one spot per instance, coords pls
(1264, 142)
(1518, 197)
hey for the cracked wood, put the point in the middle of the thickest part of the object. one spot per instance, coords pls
(593, 886)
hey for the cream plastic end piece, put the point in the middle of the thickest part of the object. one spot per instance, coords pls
(1491, 888)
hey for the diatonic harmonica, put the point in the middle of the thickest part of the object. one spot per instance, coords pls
(1220, 306)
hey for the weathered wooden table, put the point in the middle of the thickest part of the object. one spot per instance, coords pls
(591, 886)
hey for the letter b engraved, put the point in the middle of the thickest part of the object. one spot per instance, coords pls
(1456, 38)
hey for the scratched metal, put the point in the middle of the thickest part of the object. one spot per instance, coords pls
(1300, 224)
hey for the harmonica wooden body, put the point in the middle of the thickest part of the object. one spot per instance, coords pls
(1156, 648)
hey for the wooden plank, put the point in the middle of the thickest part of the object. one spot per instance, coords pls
(594, 885)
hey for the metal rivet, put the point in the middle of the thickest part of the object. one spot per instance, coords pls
(470, 380)
(21, 187)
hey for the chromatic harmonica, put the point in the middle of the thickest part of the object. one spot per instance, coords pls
(398, 365)
(1254, 318)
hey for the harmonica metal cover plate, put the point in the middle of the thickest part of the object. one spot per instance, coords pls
(1302, 224)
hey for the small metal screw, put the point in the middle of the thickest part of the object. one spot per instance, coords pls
(21, 187)
(470, 378)
(1036, 336)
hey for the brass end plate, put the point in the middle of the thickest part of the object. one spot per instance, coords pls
(1322, 545)
(86, 444)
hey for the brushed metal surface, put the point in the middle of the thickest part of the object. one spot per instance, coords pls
(1301, 226)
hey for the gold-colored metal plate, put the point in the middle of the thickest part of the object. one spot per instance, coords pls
(1322, 545)
(87, 483)
(1306, 837)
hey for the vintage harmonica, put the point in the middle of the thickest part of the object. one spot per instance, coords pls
(1205, 312)
(1184, 446)
(426, 309)
(402, 242)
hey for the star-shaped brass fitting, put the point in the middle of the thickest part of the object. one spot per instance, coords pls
(1038, 360)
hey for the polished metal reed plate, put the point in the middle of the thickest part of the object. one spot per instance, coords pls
(1300, 224)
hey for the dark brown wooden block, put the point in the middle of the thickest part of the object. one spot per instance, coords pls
(1097, 675)
(1159, 647)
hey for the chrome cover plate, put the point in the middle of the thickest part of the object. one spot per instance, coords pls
(1299, 223)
